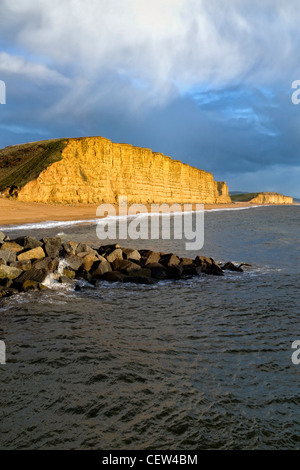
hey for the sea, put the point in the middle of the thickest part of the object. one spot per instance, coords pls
(199, 363)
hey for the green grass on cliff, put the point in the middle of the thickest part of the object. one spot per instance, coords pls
(244, 197)
(20, 164)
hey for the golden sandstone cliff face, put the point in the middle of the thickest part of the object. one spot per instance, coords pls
(271, 198)
(95, 170)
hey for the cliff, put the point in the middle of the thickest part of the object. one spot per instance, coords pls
(95, 170)
(271, 198)
(262, 198)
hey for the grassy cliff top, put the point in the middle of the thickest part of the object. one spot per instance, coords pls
(20, 164)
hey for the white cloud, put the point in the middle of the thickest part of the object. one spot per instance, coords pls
(161, 42)
(18, 65)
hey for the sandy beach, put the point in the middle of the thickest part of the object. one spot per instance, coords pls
(14, 212)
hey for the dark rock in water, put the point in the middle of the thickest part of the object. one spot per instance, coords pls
(32, 285)
(114, 276)
(191, 270)
(125, 266)
(158, 271)
(69, 273)
(139, 280)
(100, 267)
(231, 267)
(37, 275)
(65, 280)
(145, 272)
(174, 272)
(53, 246)
(169, 260)
(208, 265)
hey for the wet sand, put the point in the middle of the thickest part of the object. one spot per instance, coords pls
(17, 213)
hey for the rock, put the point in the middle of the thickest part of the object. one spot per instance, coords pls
(6, 282)
(24, 265)
(100, 267)
(129, 254)
(8, 256)
(65, 280)
(208, 265)
(169, 260)
(158, 271)
(174, 272)
(38, 275)
(32, 285)
(69, 273)
(28, 243)
(186, 261)
(35, 253)
(7, 292)
(73, 262)
(11, 246)
(149, 257)
(53, 247)
(9, 272)
(191, 270)
(145, 272)
(106, 249)
(114, 276)
(48, 264)
(114, 255)
(2, 237)
(83, 248)
(88, 261)
(231, 267)
(125, 266)
(69, 248)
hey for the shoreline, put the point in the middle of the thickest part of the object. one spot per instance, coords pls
(20, 213)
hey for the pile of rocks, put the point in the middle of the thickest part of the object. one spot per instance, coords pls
(26, 262)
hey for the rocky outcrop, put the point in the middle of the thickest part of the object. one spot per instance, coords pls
(26, 269)
(271, 198)
(95, 170)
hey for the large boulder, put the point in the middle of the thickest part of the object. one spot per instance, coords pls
(125, 266)
(100, 267)
(130, 254)
(114, 255)
(9, 272)
(158, 271)
(53, 247)
(169, 260)
(229, 266)
(149, 257)
(11, 246)
(73, 262)
(35, 253)
(28, 243)
(114, 276)
(8, 256)
(208, 265)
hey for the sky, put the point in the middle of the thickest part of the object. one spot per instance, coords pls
(208, 82)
